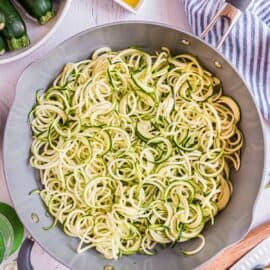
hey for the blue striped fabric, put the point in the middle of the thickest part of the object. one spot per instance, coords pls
(247, 47)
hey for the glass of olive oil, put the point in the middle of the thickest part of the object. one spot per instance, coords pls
(132, 3)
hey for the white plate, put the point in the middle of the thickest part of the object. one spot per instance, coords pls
(37, 33)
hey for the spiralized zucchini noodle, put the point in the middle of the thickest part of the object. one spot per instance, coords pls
(135, 150)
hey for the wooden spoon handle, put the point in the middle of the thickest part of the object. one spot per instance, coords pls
(231, 255)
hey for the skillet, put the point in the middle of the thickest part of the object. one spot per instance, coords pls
(230, 225)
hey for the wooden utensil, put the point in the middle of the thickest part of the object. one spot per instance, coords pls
(231, 255)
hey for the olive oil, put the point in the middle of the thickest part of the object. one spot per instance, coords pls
(132, 3)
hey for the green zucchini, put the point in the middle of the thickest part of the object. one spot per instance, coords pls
(163, 148)
(2, 45)
(2, 20)
(143, 86)
(156, 148)
(42, 10)
(144, 129)
(15, 29)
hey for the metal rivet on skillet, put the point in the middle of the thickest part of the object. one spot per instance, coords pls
(35, 217)
(217, 64)
(185, 42)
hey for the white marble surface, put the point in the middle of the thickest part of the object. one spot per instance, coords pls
(84, 14)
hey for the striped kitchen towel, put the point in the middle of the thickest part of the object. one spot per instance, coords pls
(247, 46)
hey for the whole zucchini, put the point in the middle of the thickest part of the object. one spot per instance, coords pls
(2, 45)
(42, 10)
(2, 20)
(15, 29)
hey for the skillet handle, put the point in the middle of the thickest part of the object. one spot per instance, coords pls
(240, 4)
(24, 257)
(232, 10)
(229, 256)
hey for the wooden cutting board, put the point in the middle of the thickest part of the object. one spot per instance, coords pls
(231, 255)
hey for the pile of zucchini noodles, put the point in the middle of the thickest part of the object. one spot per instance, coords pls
(135, 150)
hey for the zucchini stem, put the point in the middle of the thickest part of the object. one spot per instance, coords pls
(45, 18)
(18, 43)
